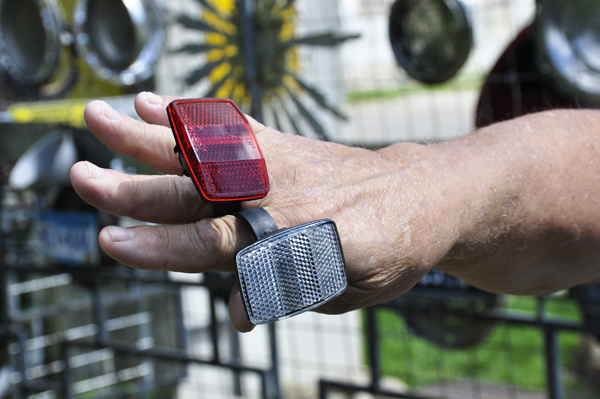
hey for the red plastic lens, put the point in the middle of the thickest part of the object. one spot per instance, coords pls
(216, 142)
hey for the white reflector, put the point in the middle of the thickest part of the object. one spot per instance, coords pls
(291, 271)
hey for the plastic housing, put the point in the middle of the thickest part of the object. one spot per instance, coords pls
(291, 271)
(218, 149)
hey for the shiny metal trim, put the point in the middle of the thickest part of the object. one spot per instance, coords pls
(52, 17)
(148, 21)
(566, 55)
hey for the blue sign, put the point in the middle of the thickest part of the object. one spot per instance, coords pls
(68, 237)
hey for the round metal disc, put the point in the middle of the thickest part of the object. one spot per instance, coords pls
(431, 39)
(46, 163)
(30, 45)
(568, 35)
(451, 322)
(120, 40)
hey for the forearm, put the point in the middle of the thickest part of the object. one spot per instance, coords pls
(530, 223)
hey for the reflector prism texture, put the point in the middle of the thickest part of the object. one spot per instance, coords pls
(220, 149)
(292, 271)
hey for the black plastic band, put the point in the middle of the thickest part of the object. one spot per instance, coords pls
(223, 208)
(260, 221)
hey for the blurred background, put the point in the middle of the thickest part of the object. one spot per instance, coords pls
(74, 324)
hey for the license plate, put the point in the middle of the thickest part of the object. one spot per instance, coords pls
(67, 237)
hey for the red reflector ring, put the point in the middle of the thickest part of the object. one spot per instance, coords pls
(218, 149)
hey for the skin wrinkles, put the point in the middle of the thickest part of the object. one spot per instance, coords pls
(186, 199)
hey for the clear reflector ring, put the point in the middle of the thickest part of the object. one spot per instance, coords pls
(30, 45)
(291, 271)
(568, 36)
(431, 39)
(120, 40)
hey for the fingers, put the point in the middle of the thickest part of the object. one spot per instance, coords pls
(237, 312)
(149, 144)
(153, 108)
(210, 244)
(156, 199)
(256, 126)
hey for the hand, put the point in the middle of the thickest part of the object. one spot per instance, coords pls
(382, 202)
(500, 209)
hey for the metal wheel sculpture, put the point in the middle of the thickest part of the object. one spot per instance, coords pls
(275, 72)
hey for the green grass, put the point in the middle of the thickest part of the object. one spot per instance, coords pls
(511, 355)
(462, 82)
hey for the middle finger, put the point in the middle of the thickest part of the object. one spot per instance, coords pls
(150, 144)
(156, 199)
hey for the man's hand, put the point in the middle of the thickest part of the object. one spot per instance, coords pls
(400, 211)
(363, 191)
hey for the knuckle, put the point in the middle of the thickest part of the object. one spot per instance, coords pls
(164, 242)
(135, 192)
(226, 244)
(186, 197)
(216, 236)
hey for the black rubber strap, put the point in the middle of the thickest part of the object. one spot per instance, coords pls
(223, 208)
(260, 221)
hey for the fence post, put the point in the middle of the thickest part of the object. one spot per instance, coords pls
(66, 377)
(373, 343)
(274, 372)
(248, 13)
(552, 352)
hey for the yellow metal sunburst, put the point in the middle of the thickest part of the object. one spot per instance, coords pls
(235, 86)
(278, 66)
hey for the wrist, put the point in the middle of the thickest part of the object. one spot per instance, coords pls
(452, 197)
(488, 181)
(493, 175)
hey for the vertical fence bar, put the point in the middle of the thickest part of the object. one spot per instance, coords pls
(323, 389)
(274, 373)
(20, 363)
(552, 352)
(236, 355)
(264, 384)
(144, 332)
(99, 315)
(4, 300)
(214, 324)
(66, 376)
(373, 344)
(184, 343)
(248, 18)
(180, 321)
(3, 272)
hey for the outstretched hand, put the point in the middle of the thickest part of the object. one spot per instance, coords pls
(499, 209)
(362, 191)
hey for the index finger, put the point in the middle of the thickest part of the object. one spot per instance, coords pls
(153, 109)
(148, 143)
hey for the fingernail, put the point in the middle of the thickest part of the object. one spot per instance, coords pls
(119, 234)
(108, 112)
(95, 172)
(153, 99)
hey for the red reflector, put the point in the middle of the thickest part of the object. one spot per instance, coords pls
(218, 149)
